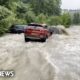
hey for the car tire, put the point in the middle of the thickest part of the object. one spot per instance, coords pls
(43, 40)
(26, 39)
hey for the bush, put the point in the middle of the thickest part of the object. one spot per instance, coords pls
(54, 20)
(41, 18)
(6, 18)
(19, 21)
(4, 12)
(30, 17)
(25, 13)
(66, 20)
(76, 18)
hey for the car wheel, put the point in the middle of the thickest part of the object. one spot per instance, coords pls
(26, 39)
(19, 32)
(43, 40)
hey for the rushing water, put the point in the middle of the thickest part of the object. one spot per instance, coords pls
(64, 52)
(56, 59)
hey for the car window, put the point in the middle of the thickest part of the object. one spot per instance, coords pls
(20, 26)
(31, 27)
(39, 27)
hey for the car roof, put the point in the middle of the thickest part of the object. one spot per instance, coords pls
(18, 25)
(36, 24)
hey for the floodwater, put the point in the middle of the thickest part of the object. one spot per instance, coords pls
(56, 59)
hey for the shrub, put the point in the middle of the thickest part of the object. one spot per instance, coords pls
(66, 20)
(24, 12)
(54, 20)
(30, 17)
(4, 12)
(41, 18)
(6, 19)
(76, 18)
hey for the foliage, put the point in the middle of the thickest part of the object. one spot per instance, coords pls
(6, 18)
(27, 11)
(4, 12)
(41, 18)
(48, 7)
(30, 17)
(66, 20)
(76, 18)
(54, 20)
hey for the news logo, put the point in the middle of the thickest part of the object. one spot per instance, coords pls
(7, 73)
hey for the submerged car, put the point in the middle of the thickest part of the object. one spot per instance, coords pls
(17, 28)
(36, 31)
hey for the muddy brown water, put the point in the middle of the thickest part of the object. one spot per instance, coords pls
(56, 59)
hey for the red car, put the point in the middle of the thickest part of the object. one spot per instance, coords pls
(36, 31)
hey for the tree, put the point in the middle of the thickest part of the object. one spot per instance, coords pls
(30, 16)
(4, 12)
(76, 18)
(6, 18)
(49, 7)
(41, 18)
(26, 11)
(8, 3)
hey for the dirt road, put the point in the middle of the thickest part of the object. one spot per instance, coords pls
(56, 59)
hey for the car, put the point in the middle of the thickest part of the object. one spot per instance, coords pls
(17, 28)
(36, 31)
